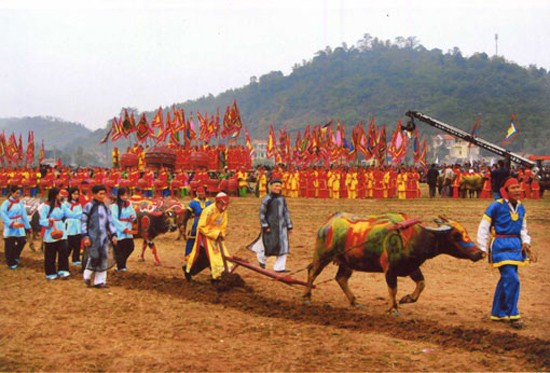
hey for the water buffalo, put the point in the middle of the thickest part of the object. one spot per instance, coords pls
(155, 217)
(471, 185)
(388, 243)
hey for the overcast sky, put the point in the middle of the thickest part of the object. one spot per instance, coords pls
(83, 62)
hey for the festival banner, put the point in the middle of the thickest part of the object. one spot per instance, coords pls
(513, 131)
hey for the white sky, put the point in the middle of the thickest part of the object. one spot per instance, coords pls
(83, 62)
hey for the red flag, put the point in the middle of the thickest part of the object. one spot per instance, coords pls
(475, 130)
(42, 153)
(2, 146)
(128, 125)
(106, 137)
(166, 131)
(30, 148)
(381, 145)
(249, 145)
(271, 143)
(142, 129)
(158, 119)
(116, 129)
(416, 147)
(398, 144)
(20, 153)
(422, 159)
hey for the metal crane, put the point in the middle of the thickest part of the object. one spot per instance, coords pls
(484, 144)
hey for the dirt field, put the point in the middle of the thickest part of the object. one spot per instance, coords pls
(151, 319)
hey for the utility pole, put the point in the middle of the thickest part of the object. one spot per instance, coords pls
(496, 45)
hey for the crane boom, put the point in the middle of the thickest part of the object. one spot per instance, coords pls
(484, 144)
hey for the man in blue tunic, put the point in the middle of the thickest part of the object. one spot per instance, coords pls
(503, 231)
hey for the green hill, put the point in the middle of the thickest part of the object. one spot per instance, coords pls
(376, 78)
(383, 79)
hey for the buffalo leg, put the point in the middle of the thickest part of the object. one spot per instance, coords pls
(154, 250)
(418, 278)
(342, 277)
(143, 248)
(391, 281)
(180, 233)
(313, 270)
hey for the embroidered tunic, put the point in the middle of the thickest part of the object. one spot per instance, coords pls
(508, 226)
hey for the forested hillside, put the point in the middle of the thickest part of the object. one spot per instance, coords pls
(374, 78)
(72, 142)
(385, 79)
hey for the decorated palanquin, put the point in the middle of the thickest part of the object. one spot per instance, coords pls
(160, 156)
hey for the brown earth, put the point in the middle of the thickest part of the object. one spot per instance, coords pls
(151, 319)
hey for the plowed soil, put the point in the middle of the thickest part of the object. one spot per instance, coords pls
(152, 319)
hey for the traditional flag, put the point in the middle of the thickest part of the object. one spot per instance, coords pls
(381, 145)
(416, 147)
(128, 124)
(475, 130)
(249, 145)
(166, 131)
(422, 160)
(20, 153)
(116, 128)
(158, 119)
(106, 137)
(398, 145)
(142, 129)
(190, 132)
(513, 131)
(179, 115)
(372, 138)
(30, 148)
(2, 146)
(271, 148)
(42, 153)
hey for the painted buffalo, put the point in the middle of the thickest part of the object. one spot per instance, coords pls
(388, 243)
(155, 217)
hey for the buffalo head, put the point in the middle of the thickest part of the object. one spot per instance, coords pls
(452, 239)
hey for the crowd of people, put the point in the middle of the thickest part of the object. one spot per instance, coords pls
(76, 220)
(336, 182)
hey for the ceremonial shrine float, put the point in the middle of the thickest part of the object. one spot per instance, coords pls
(128, 160)
(160, 156)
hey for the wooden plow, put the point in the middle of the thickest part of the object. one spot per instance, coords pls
(285, 279)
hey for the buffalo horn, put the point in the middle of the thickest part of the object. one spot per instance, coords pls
(441, 229)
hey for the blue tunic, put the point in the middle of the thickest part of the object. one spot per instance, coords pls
(124, 221)
(13, 211)
(506, 225)
(74, 226)
(58, 214)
